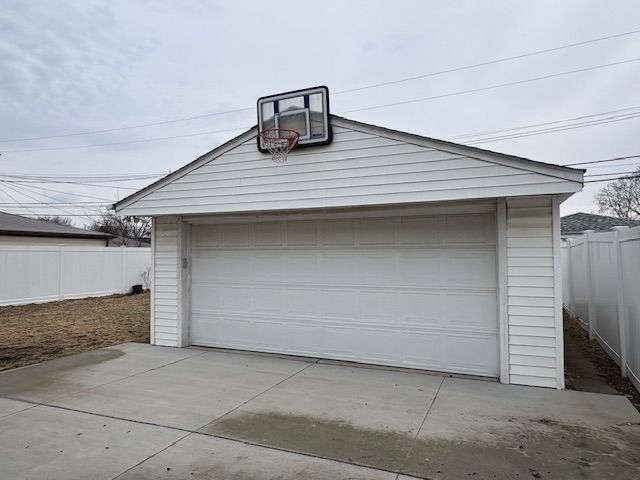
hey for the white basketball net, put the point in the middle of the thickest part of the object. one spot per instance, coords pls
(279, 142)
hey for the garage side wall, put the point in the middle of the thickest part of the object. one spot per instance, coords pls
(165, 306)
(535, 329)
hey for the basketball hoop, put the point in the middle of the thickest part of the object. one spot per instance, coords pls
(279, 142)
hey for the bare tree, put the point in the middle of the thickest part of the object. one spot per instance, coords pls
(125, 228)
(57, 220)
(621, 198)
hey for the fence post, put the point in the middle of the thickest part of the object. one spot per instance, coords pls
(622, 322)
(569, 274)
(591, 310)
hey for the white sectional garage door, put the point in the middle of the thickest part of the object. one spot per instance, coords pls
(405, 291)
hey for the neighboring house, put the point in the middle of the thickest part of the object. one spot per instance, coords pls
(575, 224)
(24, 231)
(129, 242)
(381, 247)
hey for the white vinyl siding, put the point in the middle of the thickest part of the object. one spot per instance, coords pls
(531, 292)
(359, 168)
(165, 282)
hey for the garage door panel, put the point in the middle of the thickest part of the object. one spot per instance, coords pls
(419, 268)
(414, 291)
(377, 231)
(469, 310)
(338, 233)
(472, 354)
(419, 231)
(339, 305)
(376, 306)
(301, 233)
(420, 308)
(235, 235)
(268, 234)
(423, 350)
(469, 268)
(466, 229)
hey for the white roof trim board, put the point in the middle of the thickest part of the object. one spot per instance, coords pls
(365, 165)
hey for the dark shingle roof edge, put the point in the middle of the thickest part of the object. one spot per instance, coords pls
(17, 225)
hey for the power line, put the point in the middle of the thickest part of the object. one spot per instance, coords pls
(32, 187)
(154, 139)
(339, 92)
(47, 179)
(70, 183)
(493, 87)
(612, 179)
(13, 198)
(532, 125)
(451, 94)
(563, 128)
(482, 64)
(32, 198)
(615, 159)
(615, 166)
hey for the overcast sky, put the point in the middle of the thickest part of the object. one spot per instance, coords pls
(77, 66)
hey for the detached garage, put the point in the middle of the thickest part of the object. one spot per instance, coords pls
(378, 246)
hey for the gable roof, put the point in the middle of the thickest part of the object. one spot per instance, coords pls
(570, 178)
(17, 225)
(579, 222)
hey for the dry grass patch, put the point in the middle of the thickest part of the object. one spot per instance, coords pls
(38, 332)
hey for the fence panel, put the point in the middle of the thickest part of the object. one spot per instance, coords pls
(630, 256)
(44, 274)
(602, 274)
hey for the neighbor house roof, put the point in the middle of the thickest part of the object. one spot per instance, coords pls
(18, 225)
(558, 172)
(579, 222)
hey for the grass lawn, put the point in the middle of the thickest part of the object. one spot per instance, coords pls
(38, 332)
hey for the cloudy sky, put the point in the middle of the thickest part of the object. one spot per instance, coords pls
(70, 67)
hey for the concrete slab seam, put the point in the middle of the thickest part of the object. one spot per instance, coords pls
(424, 420)
(151, 456)
(19, 411)
(222, 437)
(261, 393)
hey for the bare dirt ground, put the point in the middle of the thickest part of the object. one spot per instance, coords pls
(589, 368)
(38, 332)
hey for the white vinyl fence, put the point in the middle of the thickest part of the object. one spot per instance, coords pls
(44, 274)
(601, 288)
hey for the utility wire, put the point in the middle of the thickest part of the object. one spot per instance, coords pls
(634, 109)
(462, 92)
(482, 64)
(339, 92)
(4, 190)
(58, 191)
(612, 179)
(555, 129)
(615, 159)
(609, 174)
(493, 87)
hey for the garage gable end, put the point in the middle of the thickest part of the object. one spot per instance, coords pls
(365, 165)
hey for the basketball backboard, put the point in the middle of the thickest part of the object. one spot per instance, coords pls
(305, 111)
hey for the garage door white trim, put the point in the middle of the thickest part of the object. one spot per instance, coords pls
(370, 293)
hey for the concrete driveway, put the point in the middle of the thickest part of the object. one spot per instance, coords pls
(140, 412)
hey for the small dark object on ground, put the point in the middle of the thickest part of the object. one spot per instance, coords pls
(136, 289)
